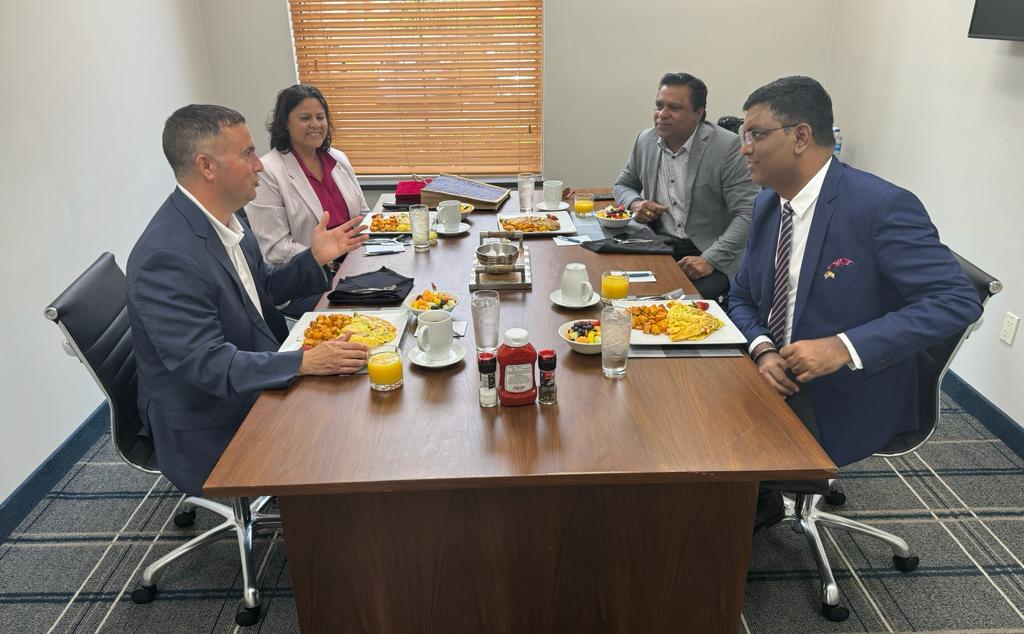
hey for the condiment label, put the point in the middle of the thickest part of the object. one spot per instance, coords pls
(518, 378)
(487, 380)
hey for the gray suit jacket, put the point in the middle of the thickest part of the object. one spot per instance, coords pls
(721, 192)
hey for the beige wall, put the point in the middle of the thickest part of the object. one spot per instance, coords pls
(251, 57)
(939, 114)
(599, 89)
(87, 87)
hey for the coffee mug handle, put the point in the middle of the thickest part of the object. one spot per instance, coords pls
(588, 290)
(421, 339)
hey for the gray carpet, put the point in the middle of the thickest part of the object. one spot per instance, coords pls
(69, 565)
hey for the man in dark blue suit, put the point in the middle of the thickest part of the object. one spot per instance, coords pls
(843, 280)
(201, 300)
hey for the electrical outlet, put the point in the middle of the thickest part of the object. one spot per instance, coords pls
(1009, 330)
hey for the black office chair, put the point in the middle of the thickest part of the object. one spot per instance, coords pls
(730, 123)
(93, 315)
(801, 508)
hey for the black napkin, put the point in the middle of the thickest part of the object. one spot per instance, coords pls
(652, 243)
(347, 290)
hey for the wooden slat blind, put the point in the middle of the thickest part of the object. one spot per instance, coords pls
(427, 86)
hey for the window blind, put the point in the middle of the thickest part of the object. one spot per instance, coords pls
(427, 86)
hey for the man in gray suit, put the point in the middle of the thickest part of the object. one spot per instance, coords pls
(686, 178)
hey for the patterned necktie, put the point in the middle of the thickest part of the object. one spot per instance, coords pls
(780, 298)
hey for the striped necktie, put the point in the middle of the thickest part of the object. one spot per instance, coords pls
(780, 297)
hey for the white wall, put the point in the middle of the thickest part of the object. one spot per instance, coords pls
(602, 62)
(251, 57)
(940, 114)
(87, 86)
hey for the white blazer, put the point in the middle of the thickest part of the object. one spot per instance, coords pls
(286, 208)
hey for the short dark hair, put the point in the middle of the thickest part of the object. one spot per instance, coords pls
(188, 127)
(698, 89)
(287, 99)
(795, 100)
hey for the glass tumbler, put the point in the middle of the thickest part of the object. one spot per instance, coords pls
(419, 218)
(384, 366)
(583, 205)
(616, 326)
(525, 183)
(486, 316)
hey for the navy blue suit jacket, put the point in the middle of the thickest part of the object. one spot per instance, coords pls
(903, 291)
(202, 350)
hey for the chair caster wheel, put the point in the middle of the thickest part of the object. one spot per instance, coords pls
(906, 564)
(185, 519)
(144, 594)
(835, 498)
(247, 616)
(835, 613)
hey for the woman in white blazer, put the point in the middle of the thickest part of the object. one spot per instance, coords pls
(302, 177)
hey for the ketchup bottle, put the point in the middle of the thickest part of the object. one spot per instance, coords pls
(517, 360)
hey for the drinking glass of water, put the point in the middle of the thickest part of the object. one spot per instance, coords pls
(525, 182)
(616, 325)
(486, 313)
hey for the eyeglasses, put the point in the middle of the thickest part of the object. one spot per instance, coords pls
(753, 136)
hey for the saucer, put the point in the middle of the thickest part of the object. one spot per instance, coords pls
(556, 297)
(463, 228)
(420, 358)
(543, 206)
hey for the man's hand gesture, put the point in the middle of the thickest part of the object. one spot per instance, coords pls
(329, 244)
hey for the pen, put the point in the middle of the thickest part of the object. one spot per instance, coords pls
(639, 274)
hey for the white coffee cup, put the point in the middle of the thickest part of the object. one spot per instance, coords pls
(552, 194)
(434, 334)
(449, 215)
(576, 287)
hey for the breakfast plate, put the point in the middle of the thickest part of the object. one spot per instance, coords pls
(560, 223)
(400, 220)
(397, 318)
(728, 334)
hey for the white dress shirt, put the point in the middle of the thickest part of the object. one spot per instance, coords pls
(803, 205)
(230, 236)
(672, 189)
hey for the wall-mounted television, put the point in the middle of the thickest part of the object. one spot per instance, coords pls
(998, 20)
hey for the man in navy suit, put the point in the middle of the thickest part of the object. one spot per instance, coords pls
(201, 299)
(843, 280)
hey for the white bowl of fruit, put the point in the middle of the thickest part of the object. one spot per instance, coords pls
(583, 335)
(614, 216)
(431, 299)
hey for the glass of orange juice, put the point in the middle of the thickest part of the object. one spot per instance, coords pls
(385, 368)
(583, 205)
(614, 285)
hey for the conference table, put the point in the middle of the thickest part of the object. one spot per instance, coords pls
(625, 507)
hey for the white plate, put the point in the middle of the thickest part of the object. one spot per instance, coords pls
(420, 358)
(543, 206)
(727, 334)
(367, 218)
(463, 228)
(556, 297)
(565, 223)
(396, 317)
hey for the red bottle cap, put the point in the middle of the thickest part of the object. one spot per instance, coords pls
(546, 359)
(487, 362)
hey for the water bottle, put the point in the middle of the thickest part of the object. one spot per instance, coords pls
(838, 148)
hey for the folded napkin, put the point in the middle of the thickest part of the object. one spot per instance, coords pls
(641, 241)
(348, 290)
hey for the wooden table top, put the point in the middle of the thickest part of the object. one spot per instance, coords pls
(668, 420)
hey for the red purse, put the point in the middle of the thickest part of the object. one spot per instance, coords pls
(408, 192)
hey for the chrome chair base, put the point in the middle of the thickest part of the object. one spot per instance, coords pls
(241, 520)
(803, 515)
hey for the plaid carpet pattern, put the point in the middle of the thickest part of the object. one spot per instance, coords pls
(71, 563)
